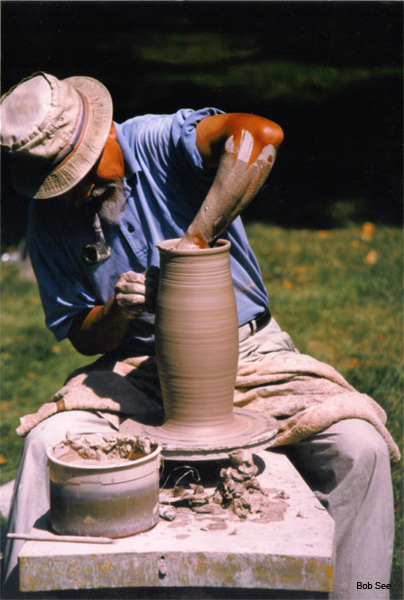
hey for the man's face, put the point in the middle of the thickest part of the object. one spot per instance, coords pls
(104, 181)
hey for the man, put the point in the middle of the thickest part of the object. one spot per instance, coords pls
(103, 196)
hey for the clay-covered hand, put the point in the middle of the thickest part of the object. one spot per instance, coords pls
(136, 292)
(192, 242)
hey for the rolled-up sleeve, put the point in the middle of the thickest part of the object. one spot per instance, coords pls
(184, 137)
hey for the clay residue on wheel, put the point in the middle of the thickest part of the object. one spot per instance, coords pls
(99, 448)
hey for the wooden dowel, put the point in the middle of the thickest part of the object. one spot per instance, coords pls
(60, 538)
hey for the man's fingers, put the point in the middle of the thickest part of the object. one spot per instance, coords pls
(136, 292)
(131, 277)
(128, 287)
(136, 301)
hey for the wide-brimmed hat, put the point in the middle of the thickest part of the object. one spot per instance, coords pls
(55, 131)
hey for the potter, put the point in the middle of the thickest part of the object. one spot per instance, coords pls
(184, 176)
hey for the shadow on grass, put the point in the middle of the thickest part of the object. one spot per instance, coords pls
(341, 159)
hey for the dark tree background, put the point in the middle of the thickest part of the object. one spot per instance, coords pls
(342, 155)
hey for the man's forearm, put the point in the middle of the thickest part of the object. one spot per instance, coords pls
(244, 148)
(104, 328)
(234, 187)
(101, 330)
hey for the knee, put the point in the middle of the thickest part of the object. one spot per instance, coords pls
(54, 429)
(39, 440)
(48, 432)
(360, 444)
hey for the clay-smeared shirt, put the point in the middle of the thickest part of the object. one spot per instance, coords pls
(165, 184)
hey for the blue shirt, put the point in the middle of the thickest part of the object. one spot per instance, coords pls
(165, 184)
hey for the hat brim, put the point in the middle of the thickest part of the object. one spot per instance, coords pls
(74, 168)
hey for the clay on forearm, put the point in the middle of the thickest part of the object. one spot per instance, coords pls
(235, 185)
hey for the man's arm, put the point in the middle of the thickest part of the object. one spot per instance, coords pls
(244, 148)
(103, 328)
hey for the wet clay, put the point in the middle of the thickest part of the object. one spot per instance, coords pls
(237, 182)
(196, 333)
(96, 449)
(238, 488)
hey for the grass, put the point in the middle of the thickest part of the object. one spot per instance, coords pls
(338, 292)
(231, 65)
(33, 364)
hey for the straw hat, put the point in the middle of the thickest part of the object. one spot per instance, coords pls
(54, 130)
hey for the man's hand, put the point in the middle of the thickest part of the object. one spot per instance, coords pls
(244, 148)
(136, 292)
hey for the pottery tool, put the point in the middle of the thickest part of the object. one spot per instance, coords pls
(59, 538)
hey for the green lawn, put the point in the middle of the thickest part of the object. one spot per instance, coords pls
(339, 296)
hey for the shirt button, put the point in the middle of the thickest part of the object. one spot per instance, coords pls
(131, 229)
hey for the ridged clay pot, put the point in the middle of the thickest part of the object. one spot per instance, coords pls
(196, 332)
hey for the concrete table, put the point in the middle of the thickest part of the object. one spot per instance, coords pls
(290, 549)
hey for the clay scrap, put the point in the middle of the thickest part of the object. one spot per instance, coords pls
(237, 490)
(102, 448)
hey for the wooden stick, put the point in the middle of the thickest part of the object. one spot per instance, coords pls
(60, 538)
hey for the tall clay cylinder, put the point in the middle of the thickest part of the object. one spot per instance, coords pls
(196, 333)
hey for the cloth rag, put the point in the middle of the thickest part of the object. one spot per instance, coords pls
(304, 394)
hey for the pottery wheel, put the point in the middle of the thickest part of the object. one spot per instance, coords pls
(250, 430)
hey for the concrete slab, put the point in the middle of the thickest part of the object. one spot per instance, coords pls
(290, 550)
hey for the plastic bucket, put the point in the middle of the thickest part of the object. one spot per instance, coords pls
(114, 500)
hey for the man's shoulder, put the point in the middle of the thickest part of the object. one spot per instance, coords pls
(179, 117)
(148, 124)
(152, 118)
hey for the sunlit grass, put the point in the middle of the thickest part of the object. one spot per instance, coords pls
(33, 364)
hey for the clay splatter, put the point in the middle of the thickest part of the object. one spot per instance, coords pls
(268, 154)
(239, 488)
(246, 146)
